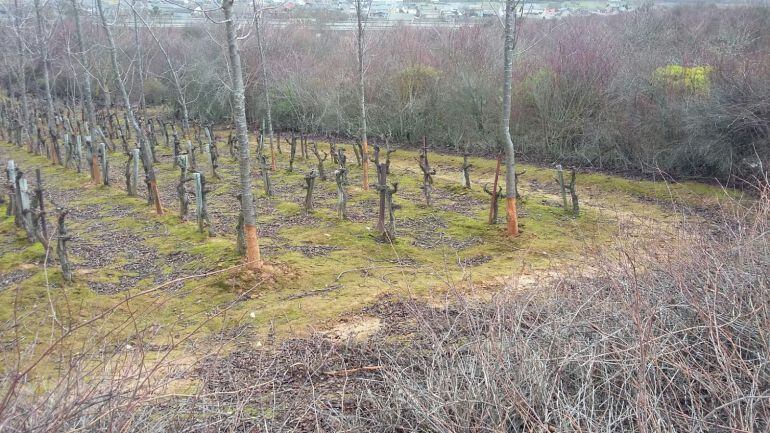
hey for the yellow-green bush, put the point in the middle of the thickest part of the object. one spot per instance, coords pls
(690, 78)
(414, 81)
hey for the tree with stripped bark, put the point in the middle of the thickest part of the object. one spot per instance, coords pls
(510, 33)
(248, 209)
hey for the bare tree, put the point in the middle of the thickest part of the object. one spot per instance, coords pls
(138, 43)
(27, 125)
(87, 94)
(43, 43)
(512, 228)
(146, 153)
(181, 98)
(248, 210)
(258, 23)
(362, 95)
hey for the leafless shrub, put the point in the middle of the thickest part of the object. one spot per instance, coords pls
(671, 341)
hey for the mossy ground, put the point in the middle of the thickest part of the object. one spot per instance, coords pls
(322, 267)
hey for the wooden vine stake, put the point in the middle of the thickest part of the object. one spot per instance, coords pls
(496, 192)
(341, 178)
(321, 169)
(272, 148)
(41, 223)
(292, 150)
(181, 190)
(564, 187)
(61, 246)
(105, 164)
(386, 227)
(198, 182)
(427, 172)
(309, 187)
(466, 171)
(265, 175)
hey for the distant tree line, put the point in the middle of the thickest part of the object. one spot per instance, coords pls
(682, 91)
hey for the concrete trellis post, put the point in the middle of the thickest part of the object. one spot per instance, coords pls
(24, 205)
(212, 152)
(61, 246)
(207, 153)
(176, 150)
(134, 181)
(191, 155)
(105, 163)
(183, 162)
(198, 200)
(562, 189)
(78, 152)
(67, 151)
(13, 206)
(181, 190)
(199, 180)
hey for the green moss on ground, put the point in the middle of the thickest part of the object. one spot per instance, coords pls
(322, 268)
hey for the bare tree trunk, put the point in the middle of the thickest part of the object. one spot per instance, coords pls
(362, 100)
(61, 246)
(266, 89)
(321, 169)
(341, 178)
(138, 42)
(512, 227)
(152, 185)
(466, 171)
(181, 99)
(87, 95)
(54, 149)
(427, 173)
(494, 194)
(26, 123)
(309, 187)
(248, 211)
